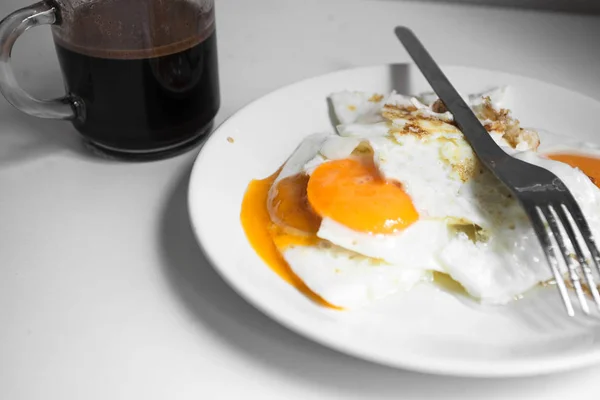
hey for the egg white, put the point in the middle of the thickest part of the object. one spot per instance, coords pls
(415, 247)
(346, 279)
(512, 261)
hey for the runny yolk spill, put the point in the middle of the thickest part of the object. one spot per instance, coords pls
(589, 165)
(352, 192)
(265, 236)
(348, 191)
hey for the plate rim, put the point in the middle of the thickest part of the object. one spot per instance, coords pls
(426, 364)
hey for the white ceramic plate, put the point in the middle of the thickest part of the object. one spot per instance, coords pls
(426, 329)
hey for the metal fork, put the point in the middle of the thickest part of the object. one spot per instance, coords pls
(553, 211)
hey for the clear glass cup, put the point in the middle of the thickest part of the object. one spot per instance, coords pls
(141, 76)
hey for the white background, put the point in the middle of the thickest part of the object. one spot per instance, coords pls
(578, 6)
(104, 293)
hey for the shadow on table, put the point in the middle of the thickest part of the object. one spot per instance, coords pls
(26, 138)
(216, 307)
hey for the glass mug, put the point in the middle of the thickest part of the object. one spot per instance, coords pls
(141, 76)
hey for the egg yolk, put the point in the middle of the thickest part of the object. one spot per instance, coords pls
(352, 192)
(296, 225)
(289, 206)
(588, 165)
(294, 222)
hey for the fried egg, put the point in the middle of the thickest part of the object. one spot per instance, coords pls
(337, 274)
(397, 193)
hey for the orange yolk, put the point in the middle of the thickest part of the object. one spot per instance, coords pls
(289, 208)
(290, 205)
(351, 192)
(588, 165)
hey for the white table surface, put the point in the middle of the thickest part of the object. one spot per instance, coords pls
(104, 293)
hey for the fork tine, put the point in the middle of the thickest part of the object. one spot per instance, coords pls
(550, 215)
(585, 233)
(537, 220)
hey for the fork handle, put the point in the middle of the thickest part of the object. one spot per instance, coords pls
(484, 146)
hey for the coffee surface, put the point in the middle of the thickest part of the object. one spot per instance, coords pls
(134, 28)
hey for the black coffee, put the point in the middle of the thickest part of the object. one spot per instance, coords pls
(146, 71)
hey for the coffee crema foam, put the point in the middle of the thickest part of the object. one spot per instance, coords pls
(134, 29)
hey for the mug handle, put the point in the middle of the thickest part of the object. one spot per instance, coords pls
(11, 28)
